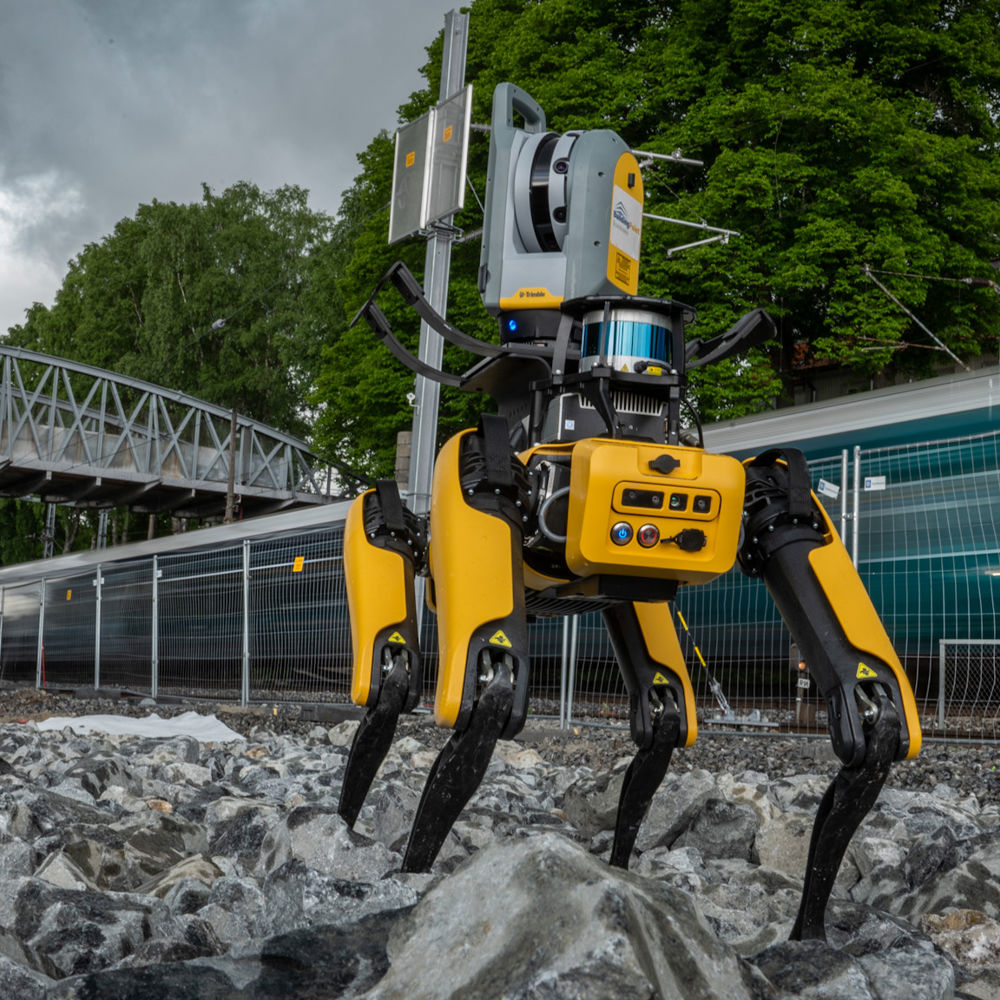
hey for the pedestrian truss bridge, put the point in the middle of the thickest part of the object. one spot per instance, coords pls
(72, 433)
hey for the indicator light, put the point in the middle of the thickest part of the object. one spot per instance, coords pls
(648, 535)
(621, 533)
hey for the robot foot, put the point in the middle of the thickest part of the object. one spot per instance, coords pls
(458, 770)
(373, 739)
(642, 779)
(846, 803)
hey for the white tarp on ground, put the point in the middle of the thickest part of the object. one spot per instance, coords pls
(205, 728)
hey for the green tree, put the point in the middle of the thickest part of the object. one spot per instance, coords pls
(213, 298)
(835, 134)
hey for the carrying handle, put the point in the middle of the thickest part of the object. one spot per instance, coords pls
(507, 99)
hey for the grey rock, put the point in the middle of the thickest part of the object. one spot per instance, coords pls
(321, 962)
(723, 830)
(675, 805)
(748, 907)
(242, 899)
(169, 981)
(591, 802)
(323, 841)
(16, 858)
(908, 972)
(18, 981)
(188, 895)
(559, 924)
(193, 869)
(972, 885)
(39, 811)
(394, 808)
(813, 970)
(98, 773)
(63, 932)
(298, 896)
(783, 843)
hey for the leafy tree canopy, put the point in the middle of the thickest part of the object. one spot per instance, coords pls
(835, 135)
(221, 299)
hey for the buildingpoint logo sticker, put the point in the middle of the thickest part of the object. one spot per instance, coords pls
(626, 223)
(620, 215)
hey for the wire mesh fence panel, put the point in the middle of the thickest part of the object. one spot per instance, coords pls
(969, 687)
(19, 634)
(597, 691)
(545, 647)
(428, 653)
(69, 631)
(930, 552)
(300, 638)
(127, 626)
(200, 599)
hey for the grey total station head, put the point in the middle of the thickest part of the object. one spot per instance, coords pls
(563, 218)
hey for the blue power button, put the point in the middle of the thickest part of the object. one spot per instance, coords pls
(621, 533)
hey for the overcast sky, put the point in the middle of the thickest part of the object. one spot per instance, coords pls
(106, 104)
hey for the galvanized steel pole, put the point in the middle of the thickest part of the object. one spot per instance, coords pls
(437, 267)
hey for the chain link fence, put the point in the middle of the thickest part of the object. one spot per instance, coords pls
(265, 618)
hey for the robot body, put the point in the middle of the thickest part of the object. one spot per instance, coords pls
(584, 494)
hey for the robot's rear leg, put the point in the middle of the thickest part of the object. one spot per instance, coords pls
(384, 544)
(661, 709)
(792, 545)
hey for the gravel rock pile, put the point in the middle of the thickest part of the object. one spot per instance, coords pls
(138, 868)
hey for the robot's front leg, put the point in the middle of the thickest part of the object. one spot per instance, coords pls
(661, 709)
(479, 498)
(792, 545)
(384, 545)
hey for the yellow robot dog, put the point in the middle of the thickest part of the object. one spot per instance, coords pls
(586, 493)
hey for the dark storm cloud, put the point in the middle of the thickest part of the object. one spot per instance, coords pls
(105, 104)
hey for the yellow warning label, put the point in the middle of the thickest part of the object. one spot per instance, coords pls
(446, 134)
(865, 673)
(69, 595)
(658, 678)
(397, 638)
(300, 561)
(499, 639)
(411, 158)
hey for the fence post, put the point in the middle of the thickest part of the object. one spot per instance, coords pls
(97, 629)
(857, 506)
(574, 633)
(941, 683)
(245, 679)
(154, 628)
(40, 654)
(844, 517)
(563, 667)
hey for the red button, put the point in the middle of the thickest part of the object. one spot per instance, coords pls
(648, 535)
